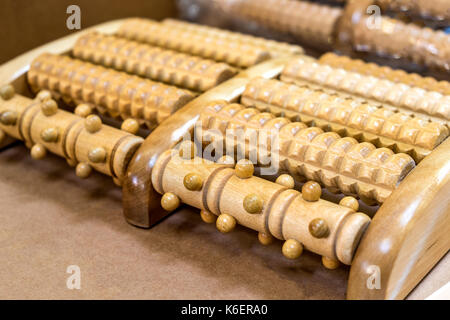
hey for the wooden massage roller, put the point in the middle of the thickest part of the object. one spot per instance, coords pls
(423, 103)
(388, 155)
(385, 72)
(379, 125)
(331, 230)
(350, 28)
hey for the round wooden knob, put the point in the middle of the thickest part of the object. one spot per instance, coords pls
(193, 182)
(44, 95)
(170, 201)
(93, 123)
(97, 155)
(83, 110)
(225, 223)
(265, 238)
(318, 228)
(38, 151)
(50, 135)
(188, 150)
(130, 126)
(253, 204)
(49, 107)
(83, 170)
(286, 180)
(244, 169)
(7, 92)
(226, 160)
(311, 191)
(330, 263)
(207, 216)
(350, 202)
(8, 118)
(292, 249)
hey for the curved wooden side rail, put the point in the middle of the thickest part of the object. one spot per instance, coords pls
(141, 202)
(408, 235)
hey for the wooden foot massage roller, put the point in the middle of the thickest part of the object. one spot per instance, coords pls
(354, 28)
(250, 132)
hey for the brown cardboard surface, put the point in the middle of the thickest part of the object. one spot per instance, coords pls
(50, 219)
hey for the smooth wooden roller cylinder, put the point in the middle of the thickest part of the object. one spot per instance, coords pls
(366, 122)
(85, 142)
(115, 93)
(385, 72)
(340, 164)
(323, 227)
(423, 103)
(152, 62)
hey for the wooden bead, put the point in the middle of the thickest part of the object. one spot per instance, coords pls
(188, 150)
(311, 191)
(350, 202)
(49, 107)
(8, 118)
(44, 95)
(193, 182)
(244, 169)
(225, 223)
(286, 180)
(330, 263)
(83, 170)
(83, 110)
(292, 249)
(7, 92)
(265, 238)
(93, 123)
(226, 160)
(38, 151)
(207, 216)
(130, 126)
(50, 135)
(319, 228)
(170, 201)
(253, 204)
(97, 155)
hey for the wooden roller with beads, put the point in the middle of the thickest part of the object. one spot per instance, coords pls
(366, 122)
(335, 144)
(269, 208)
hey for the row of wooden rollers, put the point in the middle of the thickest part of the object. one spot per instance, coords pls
(350, 28)
(273, 209)
(150, 103)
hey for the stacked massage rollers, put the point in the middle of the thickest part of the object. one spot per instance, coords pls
(351, 133)
(353, 28)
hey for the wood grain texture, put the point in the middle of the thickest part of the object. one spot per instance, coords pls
(140, 201)
(332, 112)
(409, 233)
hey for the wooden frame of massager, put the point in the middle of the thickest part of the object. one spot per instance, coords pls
(406, 238)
